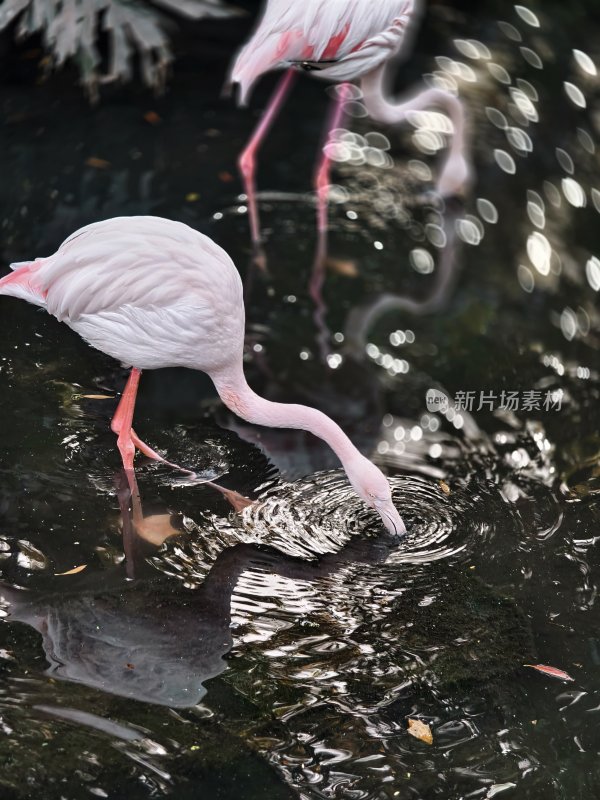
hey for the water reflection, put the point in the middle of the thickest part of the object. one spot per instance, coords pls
(151, 641)
(322, 636)
(148, 643)
(362, 318)
(310, 632)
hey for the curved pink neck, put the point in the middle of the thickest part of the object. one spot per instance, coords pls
(239, 397)
(375, 86)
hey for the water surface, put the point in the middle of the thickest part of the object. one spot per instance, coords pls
(278, 651)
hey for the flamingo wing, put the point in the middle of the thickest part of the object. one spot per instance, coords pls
(22, 282)
(322, 31)
(139, 262)
(147, 291)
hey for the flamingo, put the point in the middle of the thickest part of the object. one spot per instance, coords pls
(339, 40)
(152, 293)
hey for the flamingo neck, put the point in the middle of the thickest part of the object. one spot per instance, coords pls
(239, 397)
(376, 90)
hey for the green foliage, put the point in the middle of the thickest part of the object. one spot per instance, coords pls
(70, 30)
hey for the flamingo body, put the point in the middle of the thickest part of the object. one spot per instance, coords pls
(154, 293)
(147, 291)
(338, 40)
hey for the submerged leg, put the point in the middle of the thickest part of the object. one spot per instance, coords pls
(129, 501)
(323, 173)
(315, 289)
(150, 453)
(455, 174)
(247, 160)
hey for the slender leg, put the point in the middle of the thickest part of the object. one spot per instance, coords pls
(123, 418)
(236, 500)
(315, 288)
(127, 441)
(150, 453)
(323, 173)
(247, 160)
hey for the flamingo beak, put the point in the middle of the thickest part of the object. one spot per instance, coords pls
(391, 518)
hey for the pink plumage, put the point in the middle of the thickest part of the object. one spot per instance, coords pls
(155, 293)
(348, 37)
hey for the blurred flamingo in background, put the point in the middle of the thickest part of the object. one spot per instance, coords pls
(155, 293)
(339, 40)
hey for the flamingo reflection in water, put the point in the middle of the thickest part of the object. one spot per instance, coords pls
(149, 639)
(340, 40)
(120, 638)
(361, 319)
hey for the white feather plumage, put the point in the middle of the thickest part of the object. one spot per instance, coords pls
(148, 291)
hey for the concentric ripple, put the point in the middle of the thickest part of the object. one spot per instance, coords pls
(322, 514)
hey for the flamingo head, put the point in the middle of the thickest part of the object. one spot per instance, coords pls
(372, 486)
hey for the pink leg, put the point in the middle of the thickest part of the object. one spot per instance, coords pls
(128, 440)
(322, 175)
(315, 288)
(247, 160)
(150, 453)
(123, 418)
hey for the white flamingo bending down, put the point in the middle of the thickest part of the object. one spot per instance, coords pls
(155, 293)
(339, 40)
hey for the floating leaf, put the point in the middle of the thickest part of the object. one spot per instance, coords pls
(152, 118)
(97, 163)
(420, 730)
(343, 267)
(156, 528)
(553, 672)
(73, 571)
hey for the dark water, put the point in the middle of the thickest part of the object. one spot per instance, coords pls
(279, 652)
